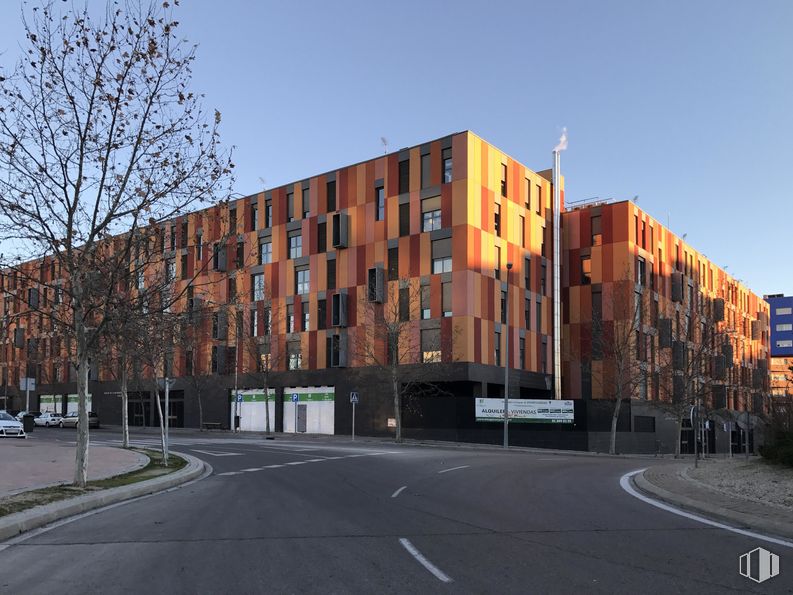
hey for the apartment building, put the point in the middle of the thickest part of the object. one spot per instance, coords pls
(691, 333)
(299, 271)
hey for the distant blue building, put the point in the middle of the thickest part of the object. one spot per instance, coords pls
(781, 325)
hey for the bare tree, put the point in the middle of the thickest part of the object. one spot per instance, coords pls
(391, 340)
(260, 345)
(99, 134)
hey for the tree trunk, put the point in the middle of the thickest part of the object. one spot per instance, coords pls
(81, 452)
(614, 418)
(124, 406)
(163, 444)
(397, 407)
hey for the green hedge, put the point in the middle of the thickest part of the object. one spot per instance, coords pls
(780, 450)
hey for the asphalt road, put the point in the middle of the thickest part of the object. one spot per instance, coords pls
(331, 516)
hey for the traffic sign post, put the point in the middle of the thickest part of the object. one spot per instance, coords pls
(295, 400)
(354, 401)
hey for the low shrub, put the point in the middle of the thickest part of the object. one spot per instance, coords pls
(780, 450)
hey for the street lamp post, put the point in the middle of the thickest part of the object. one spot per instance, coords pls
(506, 361)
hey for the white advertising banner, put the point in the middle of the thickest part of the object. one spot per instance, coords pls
(73, 400)
(525, 411)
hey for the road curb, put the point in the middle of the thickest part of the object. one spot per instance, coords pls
(714, 512)
(20, 522)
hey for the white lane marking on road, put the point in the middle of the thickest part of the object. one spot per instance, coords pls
(439, 574)
(453, 469)
(625, 484)
(272, 466)
(231, 473)
(315, 460)
(252, 469)
(217, 454)
(297, 463)
(553, 459)
(399, 491)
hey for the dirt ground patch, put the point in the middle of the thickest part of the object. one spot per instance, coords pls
(755, 480)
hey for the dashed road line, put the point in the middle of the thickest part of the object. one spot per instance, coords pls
(399, 491)
(437, 572)
(454, 469)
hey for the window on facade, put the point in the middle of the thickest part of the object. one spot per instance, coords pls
(306, 319)
(784, 311)
(497, 348)
(503, 306)
(636, 229)
(257, 287)
(784, 343)
(539, 199)
(784, 327)
(446, 156)
(425, 302)
(268, 214)
(322, 314)
(644, 235)
(442, 256)
(302, 281)
(290, 206)
(295, 357)
(265, 252)
(543, 275)
(544, 356)
(446, 298)
(233, 220)
(404, 176)
(527, 313)
(586, 270)
(232, 289)
(527, 273)
(170, 270)
(240, 259)
(538, 326)
(214, 361)
(597, 236)
(322, 236)
(497, 219)
(199, 251)
(331, 270)
(215, 325)
(430, 345)
(172, 238)
(393, 264)
(641, 270)
(426, 170)
(404, 220)
(431, 213)
(497, 268)
(527, 192)
(255, 217)
(404, 304)
(522, 354)
(254, 323)
(503, 179)
(305, 201)
(295, 244)
(290, 318)
(331, 196)
(379, 198)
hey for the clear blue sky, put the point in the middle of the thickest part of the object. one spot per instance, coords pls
(687, 104)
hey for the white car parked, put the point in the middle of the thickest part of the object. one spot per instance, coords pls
(10, 427)
(47, 419)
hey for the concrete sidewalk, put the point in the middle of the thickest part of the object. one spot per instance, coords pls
(29, 464)
(670, 483)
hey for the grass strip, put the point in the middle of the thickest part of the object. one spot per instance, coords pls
(26, 500)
